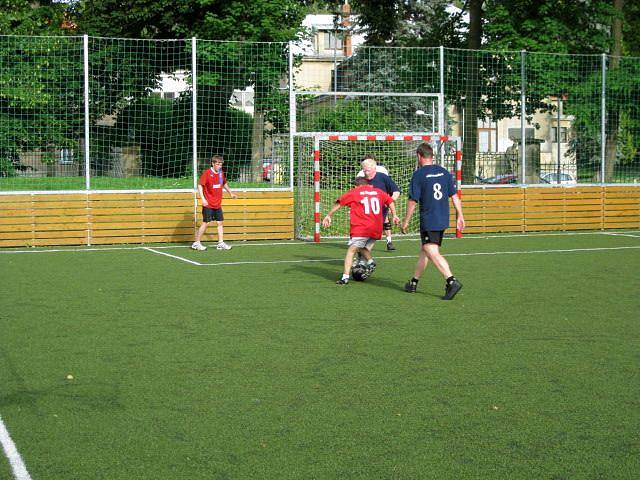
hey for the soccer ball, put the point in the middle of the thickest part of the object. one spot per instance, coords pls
(359, 273)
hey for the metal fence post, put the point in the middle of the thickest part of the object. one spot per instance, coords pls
(523, 113)
(87, 162)
(442, 128)
(194, 109)
(603, 119)
(292, 116)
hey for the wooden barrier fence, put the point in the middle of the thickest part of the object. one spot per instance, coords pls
(138, 218)
(111, 218)
(529, 209)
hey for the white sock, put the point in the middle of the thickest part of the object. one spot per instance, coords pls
(388, 238)
(345, 277)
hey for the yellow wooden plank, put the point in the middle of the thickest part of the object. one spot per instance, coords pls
(621, 224)
(26, 198)
(63, 211)
(60, 219)
(37, 242)
(117, 225)
(120, 232)
(59, 197)
(116, 204)
(78, 234)
(27, 227)
(257, 201)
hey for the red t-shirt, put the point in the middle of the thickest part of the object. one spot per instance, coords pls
(365, 203)
(212, 184)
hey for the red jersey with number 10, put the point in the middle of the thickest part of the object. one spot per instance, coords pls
(365, 203)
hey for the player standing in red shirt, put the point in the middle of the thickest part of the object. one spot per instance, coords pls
(365, 218)
(210, 186)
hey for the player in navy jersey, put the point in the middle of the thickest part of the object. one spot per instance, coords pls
(379, 177)
(431, 186)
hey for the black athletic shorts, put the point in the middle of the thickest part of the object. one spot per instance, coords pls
(211, 214)
(431, 236)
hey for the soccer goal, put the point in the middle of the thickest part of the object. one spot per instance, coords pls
(329, 162)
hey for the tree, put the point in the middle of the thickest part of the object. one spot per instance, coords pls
(223, 66)
(39, 83)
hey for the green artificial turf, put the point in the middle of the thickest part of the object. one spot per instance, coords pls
(243, 369)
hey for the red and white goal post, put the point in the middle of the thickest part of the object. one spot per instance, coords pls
(336, 160)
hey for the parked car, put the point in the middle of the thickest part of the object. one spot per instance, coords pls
(500, 179)
(552, 178)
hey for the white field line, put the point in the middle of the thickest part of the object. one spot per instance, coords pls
(173, 256)
(620, 234)
(15, 460)
(387, 257)
(335, 240)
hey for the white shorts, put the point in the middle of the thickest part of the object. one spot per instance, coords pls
(362, 242)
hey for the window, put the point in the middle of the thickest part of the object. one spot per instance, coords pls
(484, 141)
(563, 134)
(332, 41)
(65, 156)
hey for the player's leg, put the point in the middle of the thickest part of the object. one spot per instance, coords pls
(206, 220)
(422, 262)
(348, 262)
(219, 220)
(387, 231)
(452, 284)
(366, 253)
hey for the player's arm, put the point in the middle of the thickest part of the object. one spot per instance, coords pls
(202, 198)
(226, 187)
(457, 204)
(411, 206)
(392, 210)
(326, 221)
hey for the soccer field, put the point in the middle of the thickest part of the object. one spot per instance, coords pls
(166, 363)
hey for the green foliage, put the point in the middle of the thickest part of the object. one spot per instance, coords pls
(22, 17)
(250, 20)
(347, 116)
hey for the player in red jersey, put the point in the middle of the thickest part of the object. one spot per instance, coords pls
(210, 186)
(366, 204)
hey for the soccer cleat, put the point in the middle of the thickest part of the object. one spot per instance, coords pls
(371, 267)
(410, 287)
(390, 247)
(452, 289)
(223, 246)
(198, 246)
(342, 281)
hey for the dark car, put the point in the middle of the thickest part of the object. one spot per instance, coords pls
(500, 179)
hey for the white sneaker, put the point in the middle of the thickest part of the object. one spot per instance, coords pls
(223, 246)
(198, 246)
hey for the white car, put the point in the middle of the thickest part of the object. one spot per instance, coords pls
(552, 178)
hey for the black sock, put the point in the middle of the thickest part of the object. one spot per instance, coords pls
(415, 280)
(450, 279)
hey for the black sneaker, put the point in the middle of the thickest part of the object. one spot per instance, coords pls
(342, 281)
(390, 247)
(451, 289)
(410, 287)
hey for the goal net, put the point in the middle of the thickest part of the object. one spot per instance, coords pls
(329, 163)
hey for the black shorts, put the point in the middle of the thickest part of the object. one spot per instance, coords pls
(211, 214)
(431, 236)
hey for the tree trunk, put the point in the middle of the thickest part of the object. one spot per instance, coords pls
(613, 114)
(257, 146)
(470, 146)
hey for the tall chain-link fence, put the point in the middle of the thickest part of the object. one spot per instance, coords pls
(85, 113)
